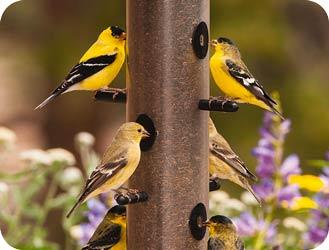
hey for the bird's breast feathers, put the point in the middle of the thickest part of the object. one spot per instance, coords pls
(227, 84)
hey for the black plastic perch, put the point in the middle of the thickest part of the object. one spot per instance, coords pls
(214, 184)
(111, 95)
(218, 104)
(131, 198)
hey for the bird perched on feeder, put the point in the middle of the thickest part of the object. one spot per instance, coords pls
(98, 66)
(234, 79)
(118, 163)
(111, 232)
(223, 234)
(224, 163)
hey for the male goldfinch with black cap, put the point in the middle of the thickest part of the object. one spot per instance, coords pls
(98, 66)
(234, 79)
(111, 232)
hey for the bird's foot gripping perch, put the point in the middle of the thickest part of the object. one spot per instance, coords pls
(214, 184)
(219, 103)
(130, 197)
(111, 95)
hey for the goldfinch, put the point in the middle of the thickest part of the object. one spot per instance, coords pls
(234, 79)
(223, 234)
(224, 163)
(98, 66)
(111, 232)
(118, 163)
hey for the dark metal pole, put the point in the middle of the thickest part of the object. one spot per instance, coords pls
(166, 81)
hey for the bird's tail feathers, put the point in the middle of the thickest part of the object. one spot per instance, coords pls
(249, 188)
(251, 176)
(58, 91)
(49, 99)
(270, 107)
(76, 205)
(274, 110)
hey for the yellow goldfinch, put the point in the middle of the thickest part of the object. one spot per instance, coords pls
(223, 234)
(224, 162)
(234, 79)
(111, 232)
(118, 163)
(98, 66)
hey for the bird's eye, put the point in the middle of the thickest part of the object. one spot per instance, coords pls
(139, 130)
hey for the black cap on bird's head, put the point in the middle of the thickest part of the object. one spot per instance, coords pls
(224, 40)
(221, 41)
(220, 219)
(117, 32)
(117, 210)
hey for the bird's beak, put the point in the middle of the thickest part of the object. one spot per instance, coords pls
(206, 223)
(123, 36)
(214, 43)
(146, 134)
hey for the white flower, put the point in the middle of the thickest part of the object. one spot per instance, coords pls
(36, 156)
(216, 199)
(76, 232)
(219, 196)
(61, 155)
(4, 190)
(7, 137)
(235, 205)
(248, 199)
(294, 223)
(70, 177)
(85, 139)
(3, 187)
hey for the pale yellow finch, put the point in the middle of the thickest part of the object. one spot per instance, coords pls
(111, 232)
(223, 234)
(98, 66)
(224, 163)
(234, 79)
(118, 163)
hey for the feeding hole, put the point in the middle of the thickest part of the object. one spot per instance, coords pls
(200, 40)
(148, 124)
(196, 223)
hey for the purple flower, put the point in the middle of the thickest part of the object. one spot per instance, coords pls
(290, 166)
(322, 199)
(267, 120)
(315, 235)
(95, 215)
(249, 226)
(287, 193)
(271, 232)
(265, 189)
(267, 134)
(87, 232)
(284, 128)
(265, 167)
